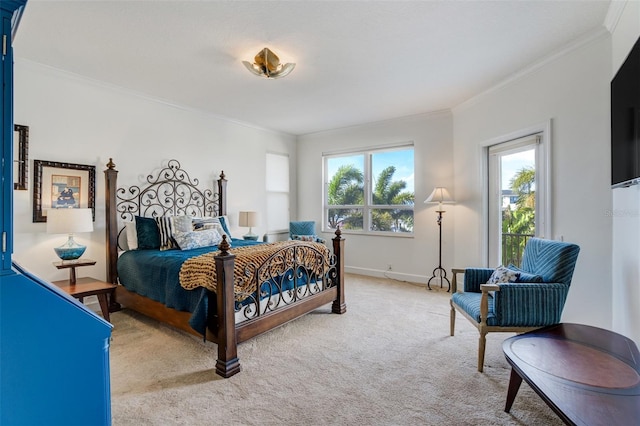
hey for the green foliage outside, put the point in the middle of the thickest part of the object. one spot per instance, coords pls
(347, 188)
(520, 221)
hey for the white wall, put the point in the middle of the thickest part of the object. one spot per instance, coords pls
(626, 206)
(74, 120)
(413, 259)
(571, 90)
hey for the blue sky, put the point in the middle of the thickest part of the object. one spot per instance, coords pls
(403, 160)
(512, 163)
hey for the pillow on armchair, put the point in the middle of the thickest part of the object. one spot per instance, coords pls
(312, 238)
(503, 275)
(304, 231)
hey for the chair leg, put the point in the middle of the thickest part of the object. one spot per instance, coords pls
(481, 347)
(452, 320)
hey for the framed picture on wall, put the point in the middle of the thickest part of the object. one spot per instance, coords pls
(20, 156)
(62, 185)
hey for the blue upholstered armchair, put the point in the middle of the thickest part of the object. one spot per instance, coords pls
(515, 299)
(304, 230)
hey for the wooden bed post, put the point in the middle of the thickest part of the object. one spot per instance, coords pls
(339, 306)
(222, 195)
(228, 363)
(111, 228)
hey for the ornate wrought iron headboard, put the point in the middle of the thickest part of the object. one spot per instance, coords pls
(170, 191)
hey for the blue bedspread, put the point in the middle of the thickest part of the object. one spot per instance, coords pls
(154, 274)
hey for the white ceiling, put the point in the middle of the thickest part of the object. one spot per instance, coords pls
(357, 61)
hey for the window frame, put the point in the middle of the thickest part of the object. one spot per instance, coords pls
(544, 207)
(278, 192)
(367, 207)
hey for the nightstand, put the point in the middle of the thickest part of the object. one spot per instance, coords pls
(87, 286)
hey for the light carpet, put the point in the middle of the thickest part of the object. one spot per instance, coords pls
(389, 360)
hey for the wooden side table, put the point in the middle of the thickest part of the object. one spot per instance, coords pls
(87, 286)
(72, 265)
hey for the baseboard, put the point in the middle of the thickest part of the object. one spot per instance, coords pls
(412, 278)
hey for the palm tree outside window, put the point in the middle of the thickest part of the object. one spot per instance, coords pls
(370, 191)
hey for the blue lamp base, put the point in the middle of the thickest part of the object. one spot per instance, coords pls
(70, 250)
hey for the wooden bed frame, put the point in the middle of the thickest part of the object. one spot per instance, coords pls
(221, 329)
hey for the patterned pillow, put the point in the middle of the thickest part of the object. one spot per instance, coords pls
(312, 238)
(503, 275)
(224, 221)
(165, 228)
(196, 239)
(147, 232)
(182, 224)
(200, 223)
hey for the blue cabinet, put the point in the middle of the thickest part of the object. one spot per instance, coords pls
(54, 352)
(55, 356)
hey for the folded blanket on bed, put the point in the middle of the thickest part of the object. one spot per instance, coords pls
(259, 263)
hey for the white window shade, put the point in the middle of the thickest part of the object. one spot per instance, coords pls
(277, 187)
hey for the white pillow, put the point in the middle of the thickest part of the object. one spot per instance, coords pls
(503, 275)
(132, 235)
(182, 223)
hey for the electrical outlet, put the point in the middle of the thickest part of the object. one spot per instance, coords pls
(389, 267)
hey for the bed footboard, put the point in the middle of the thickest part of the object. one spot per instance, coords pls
(229, 334)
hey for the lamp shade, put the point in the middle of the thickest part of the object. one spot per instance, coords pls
(439, 195)
(248, 219)
(69, 221)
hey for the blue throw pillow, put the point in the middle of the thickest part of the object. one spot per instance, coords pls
(525, 277)
(148, 233)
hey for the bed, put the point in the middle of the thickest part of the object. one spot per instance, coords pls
(226, 293)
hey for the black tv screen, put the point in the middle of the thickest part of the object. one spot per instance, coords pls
(625, 121)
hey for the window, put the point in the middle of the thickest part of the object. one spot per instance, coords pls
(277, 186)
(517, 197)
(370, 191)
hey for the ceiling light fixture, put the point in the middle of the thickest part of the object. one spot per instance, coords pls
(267, 64)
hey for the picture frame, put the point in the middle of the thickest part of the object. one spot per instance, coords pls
(62, 185)
(20, 156)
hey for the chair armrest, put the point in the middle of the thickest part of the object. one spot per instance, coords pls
(484, 301)
(474, 277)
(485, 288)
(454, 279)
(530, 304)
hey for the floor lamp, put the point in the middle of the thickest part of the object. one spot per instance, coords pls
(439, 195)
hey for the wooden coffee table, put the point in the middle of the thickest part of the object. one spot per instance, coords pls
(587, 375)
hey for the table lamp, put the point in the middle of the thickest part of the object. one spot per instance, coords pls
(248, 220)
(69, 221)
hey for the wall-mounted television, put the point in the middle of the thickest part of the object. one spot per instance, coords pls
(625, 122)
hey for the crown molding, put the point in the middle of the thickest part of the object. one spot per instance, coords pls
(37, 66)
(613, 14)
(585, 39)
